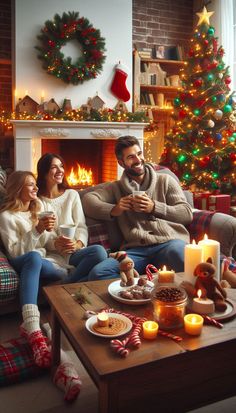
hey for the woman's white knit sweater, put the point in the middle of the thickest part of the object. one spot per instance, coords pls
(19, 235)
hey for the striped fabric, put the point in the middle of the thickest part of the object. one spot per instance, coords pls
(200, 224)
(17, 362)
(9, 281)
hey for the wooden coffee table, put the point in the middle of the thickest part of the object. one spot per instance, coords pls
(162, 375)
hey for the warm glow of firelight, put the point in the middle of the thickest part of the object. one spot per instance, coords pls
(80, 176)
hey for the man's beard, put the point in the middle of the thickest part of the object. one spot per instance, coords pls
(132, 172)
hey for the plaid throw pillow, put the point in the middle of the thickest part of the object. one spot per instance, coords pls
(17, 362)
(9, 280)
(98, 235)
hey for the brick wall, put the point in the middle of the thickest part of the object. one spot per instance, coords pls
(162, 22)
(5, 56)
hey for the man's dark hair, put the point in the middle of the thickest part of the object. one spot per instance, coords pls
(125, 142)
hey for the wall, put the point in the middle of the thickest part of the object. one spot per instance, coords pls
(5, 55)
(162, 22)
(107, 15)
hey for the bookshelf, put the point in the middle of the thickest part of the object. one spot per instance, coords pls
(153, 77)
(155, 85)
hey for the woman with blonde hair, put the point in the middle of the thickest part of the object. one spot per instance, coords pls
(25, 238)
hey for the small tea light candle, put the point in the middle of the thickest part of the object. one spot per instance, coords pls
(193, 324)
(103, 319)
(150, 330)
(165, 276)
(203, 305)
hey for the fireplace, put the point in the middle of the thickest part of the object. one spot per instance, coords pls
(87, 144)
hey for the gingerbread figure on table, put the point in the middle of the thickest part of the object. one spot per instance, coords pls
(208, 284)
(127, 270)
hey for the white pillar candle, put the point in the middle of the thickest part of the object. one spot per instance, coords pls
(193, 255)
(211, 248)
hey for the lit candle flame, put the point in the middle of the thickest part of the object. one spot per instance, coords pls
(199, 293)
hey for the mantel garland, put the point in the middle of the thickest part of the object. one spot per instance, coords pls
(55, 34)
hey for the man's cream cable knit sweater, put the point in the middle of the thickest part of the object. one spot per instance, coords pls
(167, 221)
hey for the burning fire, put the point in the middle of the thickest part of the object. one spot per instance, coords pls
(80, 177)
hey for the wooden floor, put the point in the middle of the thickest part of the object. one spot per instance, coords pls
(41, 396)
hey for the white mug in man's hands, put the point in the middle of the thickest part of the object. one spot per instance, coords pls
(138, 193)
(68, 230)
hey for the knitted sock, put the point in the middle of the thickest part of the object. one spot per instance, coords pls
(31, 330)
(68, 380)
(66, 377)
(31, 318)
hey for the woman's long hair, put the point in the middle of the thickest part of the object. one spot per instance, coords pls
(12, 200)
(43, 167)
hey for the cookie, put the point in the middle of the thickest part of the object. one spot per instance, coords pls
(115, 326)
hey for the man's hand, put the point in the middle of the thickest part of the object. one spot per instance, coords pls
(142, 203)
(124, 204)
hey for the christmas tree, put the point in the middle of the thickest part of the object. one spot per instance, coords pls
(201, 147)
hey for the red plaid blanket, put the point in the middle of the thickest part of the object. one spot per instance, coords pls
(17, 362)
(200, 224)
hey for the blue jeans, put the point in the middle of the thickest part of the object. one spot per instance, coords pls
(84, 260)
(169, 253)
(31, 268)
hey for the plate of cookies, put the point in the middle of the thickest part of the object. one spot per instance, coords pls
(108, 326)
(137, 294)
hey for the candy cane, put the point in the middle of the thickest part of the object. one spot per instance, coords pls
(212, 321)
(119, 347)
(134, 338)
(169, 335)
(149, 274)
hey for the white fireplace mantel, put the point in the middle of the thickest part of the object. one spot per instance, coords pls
(28, 135)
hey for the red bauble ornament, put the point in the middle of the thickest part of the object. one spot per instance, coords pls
(227, 80)
(191, 53)
(198, 82)
(182, 114)
(206, 42)
(232, 156)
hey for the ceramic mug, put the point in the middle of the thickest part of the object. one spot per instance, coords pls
(45, 214)
(138, 193)
(68, 230)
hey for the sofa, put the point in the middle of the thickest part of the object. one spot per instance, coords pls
(218, 226)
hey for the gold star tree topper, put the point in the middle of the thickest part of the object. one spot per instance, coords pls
(204, 16)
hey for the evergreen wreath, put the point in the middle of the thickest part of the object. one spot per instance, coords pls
(55, 34)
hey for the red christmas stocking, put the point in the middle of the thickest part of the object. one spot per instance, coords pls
(118, 86)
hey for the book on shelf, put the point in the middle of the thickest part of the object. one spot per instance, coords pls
(151, 98)
(145, 53)
(147, 99)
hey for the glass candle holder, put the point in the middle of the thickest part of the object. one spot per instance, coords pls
(169, 304)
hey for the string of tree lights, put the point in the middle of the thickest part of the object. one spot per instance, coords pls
(201, 147)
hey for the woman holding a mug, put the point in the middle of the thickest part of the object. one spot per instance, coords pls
(25, 238)
(69, 236)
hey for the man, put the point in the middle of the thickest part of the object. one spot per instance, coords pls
(152, 223)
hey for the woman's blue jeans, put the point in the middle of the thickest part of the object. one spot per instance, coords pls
(31, 268)
(84, 260)
(169, 253)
